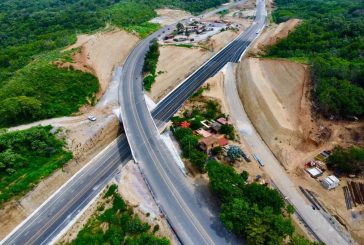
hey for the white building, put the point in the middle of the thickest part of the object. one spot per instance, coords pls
(314, 172)
(330, 182)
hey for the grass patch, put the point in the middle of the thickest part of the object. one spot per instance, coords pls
(26, 157)
(117, 225)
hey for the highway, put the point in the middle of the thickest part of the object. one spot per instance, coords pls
(53, 216)
(187, 212)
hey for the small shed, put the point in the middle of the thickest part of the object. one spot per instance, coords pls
(215, 127)
(314, 172)
(330, 182)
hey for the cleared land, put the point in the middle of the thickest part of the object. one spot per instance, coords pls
(168, 16)
(276, 96)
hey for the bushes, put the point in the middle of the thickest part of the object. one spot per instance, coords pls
(347, 161)
(122, 227)
(26, 157)
(331, 37)
(150, 65)
(249, 210)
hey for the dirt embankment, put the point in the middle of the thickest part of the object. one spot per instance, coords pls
(100, 53)
(273, 34)
(272, 92)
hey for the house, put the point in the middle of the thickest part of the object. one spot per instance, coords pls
(203, 132)
(208, 143)
(314, 172)
(330, 182)
(215, 127)
(222, 121)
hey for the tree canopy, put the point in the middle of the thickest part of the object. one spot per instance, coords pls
(331, 37)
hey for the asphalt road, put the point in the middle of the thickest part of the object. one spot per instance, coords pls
(45, 223)
(318, 223)
(188, 213)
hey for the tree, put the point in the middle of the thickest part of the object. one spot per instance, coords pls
(180, 133)
(228, 130)
(21, 109)
(195, 124)
(263, 197)
(198, 159)
(224, 181)
(244, 175)
(188, 143)
(235, 215)
(349, 160)
(234, 153)
(180, 27)
(216, 151)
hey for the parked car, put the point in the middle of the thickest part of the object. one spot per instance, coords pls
(91, 118)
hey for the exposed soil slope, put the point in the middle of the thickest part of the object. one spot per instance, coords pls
(274, 33)
(100, 53)
(272, 92)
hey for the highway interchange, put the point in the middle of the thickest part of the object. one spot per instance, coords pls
(63, 207)
(191, 219)
(188, 214)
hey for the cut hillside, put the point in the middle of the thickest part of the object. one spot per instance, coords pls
(100, 53)
(273, 93)
(168, 16)
(273, 34)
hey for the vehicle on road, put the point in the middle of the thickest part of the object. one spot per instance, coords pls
(91, 118)
(258, 160)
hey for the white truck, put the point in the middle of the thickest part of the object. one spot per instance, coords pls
(258, 160)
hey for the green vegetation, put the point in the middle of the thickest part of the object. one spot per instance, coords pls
(188, 142)
(117, 225)
(41, 90)
(347, 161)
(228, 130)
(331, 38)
(252, 211)
(150, 65)
(29, 83)
(134, 17)
(26, 157)
(223, 12)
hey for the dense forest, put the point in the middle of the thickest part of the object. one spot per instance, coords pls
(252, 211)
(26, 157)
(31, 29)
(331, 37)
